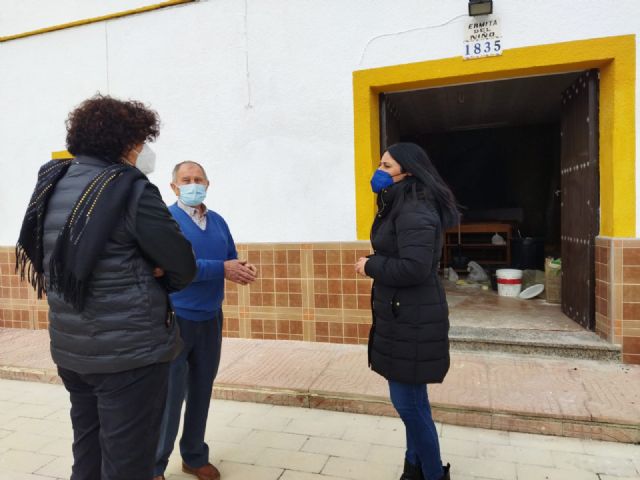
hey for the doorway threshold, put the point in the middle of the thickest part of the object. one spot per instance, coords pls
(572, 344)
(483, 321)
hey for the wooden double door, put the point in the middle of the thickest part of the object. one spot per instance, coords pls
(579, 204)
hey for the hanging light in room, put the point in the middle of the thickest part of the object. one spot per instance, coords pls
(480, 7)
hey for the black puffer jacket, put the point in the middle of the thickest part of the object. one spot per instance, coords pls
(124, 321)
(409, 339)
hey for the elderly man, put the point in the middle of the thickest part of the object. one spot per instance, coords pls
(199, 315)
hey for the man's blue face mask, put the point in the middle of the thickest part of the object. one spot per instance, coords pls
(192, 194)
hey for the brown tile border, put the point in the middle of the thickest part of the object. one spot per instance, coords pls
(299, 283)
(631, 359)
(303, 283)
(618, 294)
(312, 289)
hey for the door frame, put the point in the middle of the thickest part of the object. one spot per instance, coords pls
(614, 57)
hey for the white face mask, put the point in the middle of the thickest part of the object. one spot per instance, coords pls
(146, 161)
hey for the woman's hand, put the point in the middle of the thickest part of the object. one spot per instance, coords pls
(362, 261)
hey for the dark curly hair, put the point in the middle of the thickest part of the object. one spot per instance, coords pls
(107, 128)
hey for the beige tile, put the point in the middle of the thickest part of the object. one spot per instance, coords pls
(465, 448)
(58, 449)
(611, 449)
(5, 419)
(476, 435)
(228, 434)
(484, 468)
(292, 475)
(386, 455)
(522, 455)
(359, 469)
(286, 441)
(356, 245)
(392, 438)
(27, 476)
(616, 266)
(533, 472)
(330, 429)
(337, 448)
(46, 428)
(35, 411)
(60, 467)
(289, 460)
(23, 462)
(234, 452)
(595, 464)
(611, 477)
(390, 423)
(31, 442)
(239, 471)
(541, 442)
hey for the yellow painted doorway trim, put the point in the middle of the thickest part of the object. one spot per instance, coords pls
(615, 57)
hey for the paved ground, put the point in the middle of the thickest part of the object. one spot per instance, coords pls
(263, 442)
(569, 397)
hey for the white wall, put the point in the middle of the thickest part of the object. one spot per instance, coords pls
(259, 91)
(19, 16)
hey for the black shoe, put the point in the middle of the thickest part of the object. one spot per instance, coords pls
(411, 471)
(446, 472)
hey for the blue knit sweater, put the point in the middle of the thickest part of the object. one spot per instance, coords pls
(212, 247)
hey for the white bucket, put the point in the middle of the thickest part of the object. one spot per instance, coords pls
(509, 282)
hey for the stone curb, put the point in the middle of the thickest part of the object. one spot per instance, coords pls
(584, 428)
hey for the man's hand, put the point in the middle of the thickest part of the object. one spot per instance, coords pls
(253, 268)
(158, 272)
(238, 271)
(360, 266)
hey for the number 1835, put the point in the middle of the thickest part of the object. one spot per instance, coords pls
(482, 49)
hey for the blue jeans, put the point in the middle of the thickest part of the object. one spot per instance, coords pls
(191, 377)
(412, 403)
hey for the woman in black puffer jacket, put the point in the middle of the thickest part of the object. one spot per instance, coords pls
(409, 343)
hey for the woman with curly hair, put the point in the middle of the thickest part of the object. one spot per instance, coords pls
(94, 233)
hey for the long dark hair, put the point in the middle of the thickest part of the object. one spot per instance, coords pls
(414, 160)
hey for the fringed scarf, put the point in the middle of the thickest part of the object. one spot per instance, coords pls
(81, 241)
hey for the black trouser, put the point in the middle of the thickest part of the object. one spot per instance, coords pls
(116, 421)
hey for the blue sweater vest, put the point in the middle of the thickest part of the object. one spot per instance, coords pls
(212, 247)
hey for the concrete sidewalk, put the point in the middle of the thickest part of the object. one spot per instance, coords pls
(565, 397)
(250, 441)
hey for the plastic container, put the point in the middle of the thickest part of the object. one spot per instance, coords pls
(553, 280)
(509, 282)
(532, 292)
(527, 253)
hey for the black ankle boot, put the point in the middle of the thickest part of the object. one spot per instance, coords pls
(411, 471)
(446, 472)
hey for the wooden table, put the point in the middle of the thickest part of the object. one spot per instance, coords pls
(474, 239)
